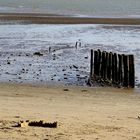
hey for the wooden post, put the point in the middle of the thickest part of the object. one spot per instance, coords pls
(95, 63)
(107, 65)
(99, 62)
(115, 68)
(120, 70)
(103, 65)
(91, 64)
(131, 71)
(126, 71)
(109, 68)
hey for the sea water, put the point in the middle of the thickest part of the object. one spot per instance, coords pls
(81, 7)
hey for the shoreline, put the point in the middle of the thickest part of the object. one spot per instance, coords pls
(38, 18)
(55, 85)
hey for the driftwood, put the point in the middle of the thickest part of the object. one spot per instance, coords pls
(36, 124)
(42, 124)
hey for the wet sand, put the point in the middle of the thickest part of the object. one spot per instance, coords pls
(26, 58)
(64, 19)
(82, 113)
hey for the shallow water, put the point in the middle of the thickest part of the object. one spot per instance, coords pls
(64, 63)
(86, 7)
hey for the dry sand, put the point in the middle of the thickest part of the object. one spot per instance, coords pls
(82, 113)
(64, 19)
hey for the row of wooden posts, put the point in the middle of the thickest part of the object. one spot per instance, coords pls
(112, 68)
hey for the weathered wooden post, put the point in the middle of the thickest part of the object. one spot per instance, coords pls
(103, 65)
(109, 68)
(126, 71)
(131, 71)
(115, 68)
(120, 69)
(99, 62)
(95, 63)
(91, 64)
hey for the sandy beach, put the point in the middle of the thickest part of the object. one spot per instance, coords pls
(82, 113)
(64, 19)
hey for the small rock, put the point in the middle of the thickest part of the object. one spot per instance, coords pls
(75, 67)
(7, 73)
(84, 90)
(16, 116)
(65, 89)
(38, 54)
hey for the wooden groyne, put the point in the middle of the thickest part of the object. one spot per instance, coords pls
(112, 69)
